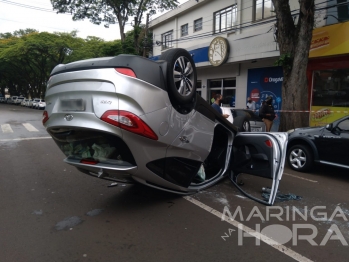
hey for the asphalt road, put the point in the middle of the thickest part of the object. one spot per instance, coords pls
(52, 212)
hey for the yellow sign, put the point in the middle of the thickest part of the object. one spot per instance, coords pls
(322, 115)
(330, 40)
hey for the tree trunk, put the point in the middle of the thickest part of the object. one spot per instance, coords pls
(122, 34)
(294, 41)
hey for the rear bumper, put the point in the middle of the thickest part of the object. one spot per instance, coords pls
(118, 173)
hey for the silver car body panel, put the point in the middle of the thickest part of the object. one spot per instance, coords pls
(195, 139)
(127, 89)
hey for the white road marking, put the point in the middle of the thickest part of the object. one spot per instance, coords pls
(6, 128)
(301, 178)
(22, 139)
(30, 128)
(283, 249)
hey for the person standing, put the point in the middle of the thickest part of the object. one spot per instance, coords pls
(267, 113)
(218, 98)
(251, 104)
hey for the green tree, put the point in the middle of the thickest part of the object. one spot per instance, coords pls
(112, 11)
(28, 57)
(113, 48)
(18, 33)
(8, 75)
(294, 42)
(26, 62)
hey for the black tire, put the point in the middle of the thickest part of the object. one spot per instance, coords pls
(242, 123)
(180, 76)
(300, 158)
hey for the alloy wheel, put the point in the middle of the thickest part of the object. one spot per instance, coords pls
(298, 158)
(183, 76)
(246, 126)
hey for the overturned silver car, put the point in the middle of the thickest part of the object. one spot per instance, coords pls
(129, 119)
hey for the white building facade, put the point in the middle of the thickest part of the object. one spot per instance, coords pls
(232, 43)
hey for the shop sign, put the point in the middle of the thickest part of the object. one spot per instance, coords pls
(322, 115)
(330, 40)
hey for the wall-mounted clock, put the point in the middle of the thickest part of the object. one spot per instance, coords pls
(218, 51)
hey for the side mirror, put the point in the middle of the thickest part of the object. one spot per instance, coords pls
(329, 127)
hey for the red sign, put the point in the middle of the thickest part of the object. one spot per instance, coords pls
(255, 95)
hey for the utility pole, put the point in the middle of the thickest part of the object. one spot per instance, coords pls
(146, 36)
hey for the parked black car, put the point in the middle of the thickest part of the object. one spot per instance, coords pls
(326, 145)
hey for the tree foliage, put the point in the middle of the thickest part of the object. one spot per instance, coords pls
(18, 33)
(294, 40)
(28, 57)
(112, 11)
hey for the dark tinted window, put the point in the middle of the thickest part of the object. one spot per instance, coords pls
(215, 83)
(229, 82)
(331, 88)
(344, 125)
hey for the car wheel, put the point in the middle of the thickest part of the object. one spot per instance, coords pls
(242, 123)
(299, 158)
(181, 76)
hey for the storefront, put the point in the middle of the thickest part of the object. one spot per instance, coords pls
(265, 82)
(328, 74)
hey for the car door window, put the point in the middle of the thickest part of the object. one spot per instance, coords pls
(344, 125)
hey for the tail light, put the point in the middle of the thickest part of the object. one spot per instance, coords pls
(44, 117)
(268, 143)
(129, 122)
(126, 71)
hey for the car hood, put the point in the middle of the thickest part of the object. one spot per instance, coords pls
(307, 131)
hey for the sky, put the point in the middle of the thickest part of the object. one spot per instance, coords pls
(22, 14)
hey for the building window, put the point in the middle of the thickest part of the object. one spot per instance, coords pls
(184, 30)
(225, 87)
(166, 40)
(330, 88)
(225, 19)
(343, 10)
(197, 24)
(263, 9)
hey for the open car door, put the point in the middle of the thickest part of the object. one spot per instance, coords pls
(259, 154)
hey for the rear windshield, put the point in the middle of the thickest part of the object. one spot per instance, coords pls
(42, 100)
(88, 144)
(37, 100)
